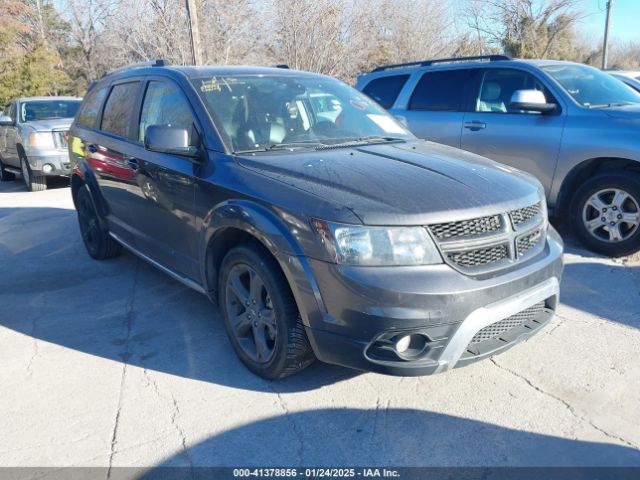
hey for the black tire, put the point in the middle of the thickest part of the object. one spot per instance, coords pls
(33, 182)
(99, 244)
(288, 351)
(601, 190)
(4, 175)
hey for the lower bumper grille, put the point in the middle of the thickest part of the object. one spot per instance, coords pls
(499, 328)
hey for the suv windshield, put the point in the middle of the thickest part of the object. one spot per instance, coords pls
(264, 112)
(48, 109)
(591, 87)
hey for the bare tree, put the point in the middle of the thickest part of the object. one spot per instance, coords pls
(524, 28)
(87, 19)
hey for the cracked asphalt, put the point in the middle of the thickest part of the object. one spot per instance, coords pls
(115, 364)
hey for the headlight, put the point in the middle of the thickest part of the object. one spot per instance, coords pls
(377, 246)
(41, 139)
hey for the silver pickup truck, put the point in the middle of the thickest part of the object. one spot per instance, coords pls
(33, 139)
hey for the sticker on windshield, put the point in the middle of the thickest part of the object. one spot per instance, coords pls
(386, 123)
(210, 86)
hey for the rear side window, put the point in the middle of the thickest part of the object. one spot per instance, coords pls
(440, 92)
(116, 117)
(88, 113)
(385, 90)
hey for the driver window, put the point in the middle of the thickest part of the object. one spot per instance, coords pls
(498, 85)
(165, 104)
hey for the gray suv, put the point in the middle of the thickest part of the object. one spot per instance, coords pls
(33, 139)
(574, 127)
(320, 225)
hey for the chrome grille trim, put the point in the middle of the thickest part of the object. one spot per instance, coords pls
(475, 246)
(60, 138)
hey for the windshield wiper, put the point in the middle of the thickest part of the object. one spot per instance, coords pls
(360, 141)
(279, 146)
(614, 104)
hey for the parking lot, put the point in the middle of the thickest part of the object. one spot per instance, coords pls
(115, 364)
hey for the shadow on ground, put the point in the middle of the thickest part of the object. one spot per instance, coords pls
(391, 437)
(121, 309)
(125, 310)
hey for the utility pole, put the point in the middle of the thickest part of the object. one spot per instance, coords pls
(605, 46)
(194, 32)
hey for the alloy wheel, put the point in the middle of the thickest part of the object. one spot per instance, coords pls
(611, 215)
(251, 313)
(88, 222)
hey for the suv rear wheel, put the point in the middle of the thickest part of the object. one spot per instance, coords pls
(260, 314)
(605, 213)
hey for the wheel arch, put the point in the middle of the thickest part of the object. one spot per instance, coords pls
(234, 222)
(584, 170)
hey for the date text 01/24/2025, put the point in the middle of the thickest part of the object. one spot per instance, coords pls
(315, 472)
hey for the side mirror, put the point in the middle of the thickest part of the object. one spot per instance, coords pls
(168, 139)
(532, 101)
(6, 121)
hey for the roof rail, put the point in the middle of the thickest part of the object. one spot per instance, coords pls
(281, 65)
(131, 66)
(426, 63)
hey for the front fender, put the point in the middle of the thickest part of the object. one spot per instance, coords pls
(87, 177)
(280, 234)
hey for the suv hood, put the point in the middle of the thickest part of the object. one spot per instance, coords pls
(51, 124)
(400, 184)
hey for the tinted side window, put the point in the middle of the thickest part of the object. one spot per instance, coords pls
(440, 92)
(117, 112)
(165, 104)
(498, 85)
(88, 113)
(385, 90)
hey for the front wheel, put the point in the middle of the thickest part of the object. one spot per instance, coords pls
(260, 314)
(605, 213)
(33, 182)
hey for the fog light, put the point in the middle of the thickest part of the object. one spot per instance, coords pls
(47, 167)
(403, 344)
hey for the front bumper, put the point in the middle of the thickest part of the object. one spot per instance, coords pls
(57, 161)
(363, 309)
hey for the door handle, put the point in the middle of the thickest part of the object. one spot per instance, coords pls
(133, 163)
(92, 148)
(475, 125)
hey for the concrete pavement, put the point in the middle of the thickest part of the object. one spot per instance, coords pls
(115, 364)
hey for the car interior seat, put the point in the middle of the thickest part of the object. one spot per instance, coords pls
(490, 100)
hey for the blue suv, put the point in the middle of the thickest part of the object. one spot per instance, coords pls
(574, 127)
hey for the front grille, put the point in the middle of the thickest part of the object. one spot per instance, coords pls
(60, 138)
(485, 244)
(523, 215)
(497, 329)
(480, 256)
(466, 228)
(527, 242)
